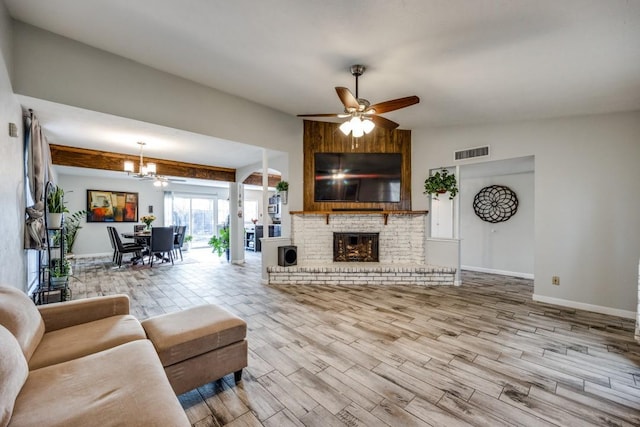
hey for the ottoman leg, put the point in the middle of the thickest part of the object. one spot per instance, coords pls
(237, 376)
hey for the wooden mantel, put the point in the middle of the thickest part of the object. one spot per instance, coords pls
(385, 214)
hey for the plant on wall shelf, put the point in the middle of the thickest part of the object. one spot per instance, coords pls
(441, 182)
(282, 186)
(283, 189)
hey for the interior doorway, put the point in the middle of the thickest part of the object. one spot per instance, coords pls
(506, 246)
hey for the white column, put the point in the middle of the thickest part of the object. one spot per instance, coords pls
(236, 222)
(265, 192)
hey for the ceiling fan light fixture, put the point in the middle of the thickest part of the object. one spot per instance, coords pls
(346, 127)
(357, 128)
(361, 112)
(368, 125)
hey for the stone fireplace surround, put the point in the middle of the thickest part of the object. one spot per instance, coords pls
(401, 250)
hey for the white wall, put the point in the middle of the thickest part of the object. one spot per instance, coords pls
(587, 209)
(79, 75)
(504, 247)
(13, 262)
(92, 238)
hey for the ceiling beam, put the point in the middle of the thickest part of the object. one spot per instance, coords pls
(94, 159)
(256, 179)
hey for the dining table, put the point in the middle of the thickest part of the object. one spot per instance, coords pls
(144, 238)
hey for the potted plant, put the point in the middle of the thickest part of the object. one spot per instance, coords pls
(71, 227)
(283, 190)
(187, 242)
(220, 243)
(441, 182)
(55, 207)
(59, 273)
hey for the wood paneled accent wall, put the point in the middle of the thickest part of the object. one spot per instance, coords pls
(322, 137)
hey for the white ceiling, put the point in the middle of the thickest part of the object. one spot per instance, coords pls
(469, 61)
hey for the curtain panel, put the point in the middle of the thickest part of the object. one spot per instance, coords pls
(638, 312)
(38, 172)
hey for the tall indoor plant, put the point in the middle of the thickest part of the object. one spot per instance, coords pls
(220, 243)
(71, 227)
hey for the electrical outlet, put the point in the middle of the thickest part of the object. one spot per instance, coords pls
(555, 280)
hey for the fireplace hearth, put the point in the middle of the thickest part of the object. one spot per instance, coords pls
(355, 247)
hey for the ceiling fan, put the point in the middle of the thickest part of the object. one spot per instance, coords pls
(148, 171)
(363, 116)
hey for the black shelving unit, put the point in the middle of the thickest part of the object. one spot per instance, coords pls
(50, 289)
(252, 236)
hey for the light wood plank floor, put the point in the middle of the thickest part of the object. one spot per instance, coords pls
(481, 354)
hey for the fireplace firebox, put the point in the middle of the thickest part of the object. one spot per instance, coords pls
(355, 247)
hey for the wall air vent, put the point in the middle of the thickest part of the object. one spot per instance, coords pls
(471, 153)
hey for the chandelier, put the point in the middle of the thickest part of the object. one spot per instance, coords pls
(147, 171)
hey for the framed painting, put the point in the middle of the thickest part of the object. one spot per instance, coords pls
(112, 206)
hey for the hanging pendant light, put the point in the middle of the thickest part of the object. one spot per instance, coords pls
(145, 171)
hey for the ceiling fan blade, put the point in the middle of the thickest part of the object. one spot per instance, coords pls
(321, 115)
(394, 104)
(347, 98)
(384, 123)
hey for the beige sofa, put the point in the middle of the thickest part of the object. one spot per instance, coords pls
(80, 363)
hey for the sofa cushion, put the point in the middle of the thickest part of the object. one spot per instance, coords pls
(13, 373)
(86, 338)
(21, 317)
(124, 385)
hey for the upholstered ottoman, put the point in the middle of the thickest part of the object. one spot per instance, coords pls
(199, 345)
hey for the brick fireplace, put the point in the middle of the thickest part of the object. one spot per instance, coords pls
(355, 247)
(401, 250)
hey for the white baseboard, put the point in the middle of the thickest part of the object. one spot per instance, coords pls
(584, 306)
(93, 255)
(494, 271)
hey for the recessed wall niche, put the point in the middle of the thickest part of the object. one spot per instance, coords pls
(324, 137)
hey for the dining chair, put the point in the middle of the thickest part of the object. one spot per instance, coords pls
(161, 243)
(124, 248)
(178, 239)
(113, 244)
(137, 228)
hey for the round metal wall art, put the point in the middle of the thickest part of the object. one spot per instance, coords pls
(495, 203)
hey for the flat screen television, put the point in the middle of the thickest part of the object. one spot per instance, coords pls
(358, 177)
